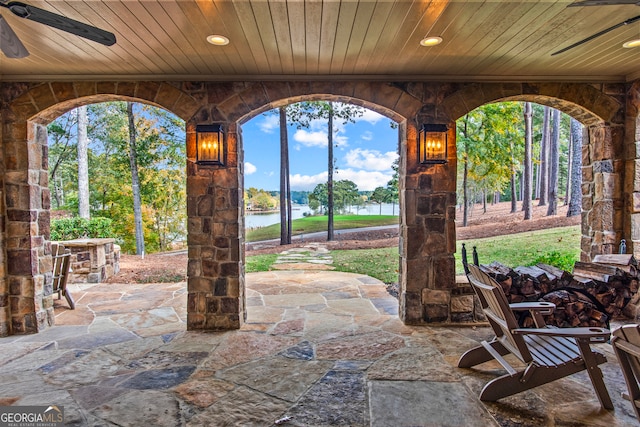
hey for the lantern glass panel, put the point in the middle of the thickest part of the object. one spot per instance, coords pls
(210, 144)
(432, 144)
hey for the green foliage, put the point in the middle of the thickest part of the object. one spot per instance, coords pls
(560, 259)
(160, 138)
(392, 185)
(260, 199)
(380, 195)
(318, 198)
(345, 193)
(490, 140)
(303, 113)
(78, 228)
(299, 197)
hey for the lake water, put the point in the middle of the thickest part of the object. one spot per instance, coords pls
(254, 220)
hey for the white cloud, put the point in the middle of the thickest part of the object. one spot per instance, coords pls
(370, 117)
(249, 168)
(367, 136)
(269, 124)
(318, 139)
(365, 180)
(311, 139)
(341, 141)
(370, 159)
(307, 182)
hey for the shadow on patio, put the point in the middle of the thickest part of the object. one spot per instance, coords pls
(319, 348)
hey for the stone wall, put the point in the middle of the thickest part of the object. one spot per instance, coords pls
(93, 260)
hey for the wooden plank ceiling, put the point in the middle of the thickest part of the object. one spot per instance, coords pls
(296, 39)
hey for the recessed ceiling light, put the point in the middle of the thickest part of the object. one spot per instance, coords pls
(218, 40)
(430, 41)
(632, 43)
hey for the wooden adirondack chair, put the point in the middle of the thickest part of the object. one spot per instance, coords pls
(61, 269)
(549, 353)
(626, 343)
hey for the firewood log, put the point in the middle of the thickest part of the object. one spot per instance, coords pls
(595, 271)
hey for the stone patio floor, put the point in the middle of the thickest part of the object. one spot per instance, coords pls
(319, 348)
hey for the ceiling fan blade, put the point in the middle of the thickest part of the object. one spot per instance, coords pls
(596, 35)
(10, 44)
(604, 3)
(60, 22)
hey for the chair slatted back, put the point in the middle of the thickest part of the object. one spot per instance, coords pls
(496, 308)
(626, 342)
(61, 259)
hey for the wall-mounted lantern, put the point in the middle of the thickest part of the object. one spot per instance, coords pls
(209, 145)
(432, 144)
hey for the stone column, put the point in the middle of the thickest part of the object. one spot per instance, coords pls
(427, 241)
(602, 199)
(26, 199)
(632, 170)
(215, 281)
(5, 310)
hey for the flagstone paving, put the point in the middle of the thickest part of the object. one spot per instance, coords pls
(313, 256)
(319, 348)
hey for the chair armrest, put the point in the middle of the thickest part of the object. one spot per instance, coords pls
(626, 346)
(542, 307)
(601, 334)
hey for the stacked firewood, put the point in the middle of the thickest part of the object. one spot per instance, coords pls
(595, 293)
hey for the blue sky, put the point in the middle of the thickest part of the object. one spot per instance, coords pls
(364, 153)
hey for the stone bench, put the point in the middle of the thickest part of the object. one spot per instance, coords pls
(93, 260)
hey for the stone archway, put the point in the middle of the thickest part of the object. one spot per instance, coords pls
(216, 249)
(604, 170)
(216, 232)
(26, 302)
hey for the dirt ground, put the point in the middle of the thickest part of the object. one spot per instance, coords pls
(496, 221)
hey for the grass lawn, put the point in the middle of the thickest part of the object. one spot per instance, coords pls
(557, 246)
(257, 263)
(561, 245)
(381, 263)
(312, 224)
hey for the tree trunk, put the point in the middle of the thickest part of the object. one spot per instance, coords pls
(484, 200)
(465, 178)
(288, 185)
(330, 176)
(567, 190)
(83, 164)
(514, 197)
(135, 182)
(554, 164)
(58, 192)
(544, 164)
(528, 166)
(284, 238)
(575, 200)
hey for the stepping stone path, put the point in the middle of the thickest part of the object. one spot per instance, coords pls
(314, 256)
